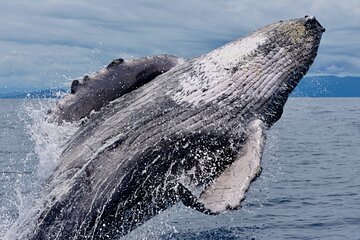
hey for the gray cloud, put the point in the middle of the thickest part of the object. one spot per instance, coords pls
(46, 43)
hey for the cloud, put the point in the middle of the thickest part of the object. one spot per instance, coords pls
(43, 43)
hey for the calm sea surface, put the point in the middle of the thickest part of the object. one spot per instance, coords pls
(309, 187)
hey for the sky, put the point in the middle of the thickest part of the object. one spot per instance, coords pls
(46, 44)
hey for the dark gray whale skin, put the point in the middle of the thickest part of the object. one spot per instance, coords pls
(118, 78)
(174, 138)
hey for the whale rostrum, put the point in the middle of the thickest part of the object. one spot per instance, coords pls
(194, 134)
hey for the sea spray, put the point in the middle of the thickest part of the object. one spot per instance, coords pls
(49, 138)
(48, 141)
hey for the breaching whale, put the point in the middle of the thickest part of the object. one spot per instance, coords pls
(193, 134)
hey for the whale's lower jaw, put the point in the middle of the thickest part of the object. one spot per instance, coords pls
(193, 134)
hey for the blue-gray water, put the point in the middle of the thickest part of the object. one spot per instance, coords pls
(309, 187)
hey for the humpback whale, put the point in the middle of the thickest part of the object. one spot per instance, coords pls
(193, 134)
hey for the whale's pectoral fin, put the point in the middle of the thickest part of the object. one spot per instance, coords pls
(189, 200)
(228, 190)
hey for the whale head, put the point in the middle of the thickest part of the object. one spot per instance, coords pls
(253, 76)
(287, 55)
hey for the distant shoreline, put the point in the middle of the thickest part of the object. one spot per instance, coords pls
(39, 94)
(311, 87)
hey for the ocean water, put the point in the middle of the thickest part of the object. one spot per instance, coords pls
(309, 187)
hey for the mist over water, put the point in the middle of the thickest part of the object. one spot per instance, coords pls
(309, 187)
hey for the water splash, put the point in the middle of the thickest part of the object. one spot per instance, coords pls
(48, 141)
(49, 138)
